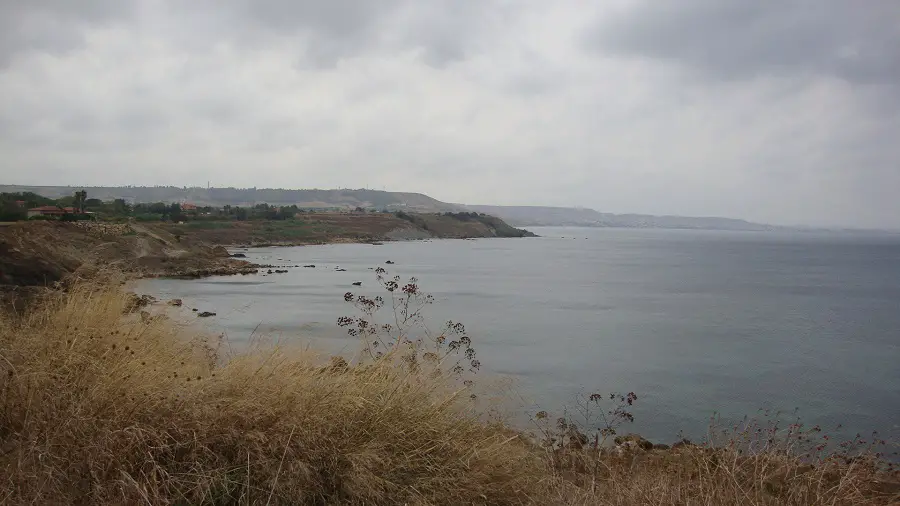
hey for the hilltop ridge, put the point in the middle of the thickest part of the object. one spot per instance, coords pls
(349, 199)
(334, 199)
(585, 217)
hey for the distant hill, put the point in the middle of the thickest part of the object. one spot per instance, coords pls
(250, 196)
(568, 216)
(519, 216)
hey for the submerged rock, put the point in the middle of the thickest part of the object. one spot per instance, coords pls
(357, 283)
(205, 314)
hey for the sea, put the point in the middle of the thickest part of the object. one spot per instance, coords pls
(700, 325)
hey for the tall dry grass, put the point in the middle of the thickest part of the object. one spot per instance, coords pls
(99, 408)
(102, 406)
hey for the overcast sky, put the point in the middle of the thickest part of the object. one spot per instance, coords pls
(775, 111)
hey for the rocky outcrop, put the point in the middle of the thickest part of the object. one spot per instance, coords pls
(43, 253)
(219, 252)
(631, 442)
(136, 302)
(103, 229)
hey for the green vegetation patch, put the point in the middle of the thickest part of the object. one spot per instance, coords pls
(210, 225)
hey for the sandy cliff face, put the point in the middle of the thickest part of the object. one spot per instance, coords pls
(42, 253)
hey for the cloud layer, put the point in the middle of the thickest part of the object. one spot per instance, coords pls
(783, 112)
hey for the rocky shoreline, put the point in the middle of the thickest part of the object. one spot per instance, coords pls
(42, 254)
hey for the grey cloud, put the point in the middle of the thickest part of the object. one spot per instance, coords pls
(53, 26)
(332, 30)
(324, 32)
(858, 41)
(430, 95)
(329, 31)
(337, 18)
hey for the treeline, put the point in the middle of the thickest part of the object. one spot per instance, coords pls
(160, 211)
(15, 206)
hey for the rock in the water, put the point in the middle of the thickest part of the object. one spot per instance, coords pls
(357, 283)
(390, 262)
(340, 270)
(310, 266)
(238, 255)
(175, 302)
(205, 314)
(269, 271)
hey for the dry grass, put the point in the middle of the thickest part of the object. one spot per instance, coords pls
(97, 407)
(696, 475)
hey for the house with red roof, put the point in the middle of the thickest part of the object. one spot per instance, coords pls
(50, 211)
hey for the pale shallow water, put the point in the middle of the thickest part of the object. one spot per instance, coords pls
(694, 322)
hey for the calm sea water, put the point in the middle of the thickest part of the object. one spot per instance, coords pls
(694, 322)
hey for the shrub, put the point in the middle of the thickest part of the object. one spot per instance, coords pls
(409, 337)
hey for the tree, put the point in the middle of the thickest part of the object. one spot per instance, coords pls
(121, 208)
(159, 208)
(80, 200)
(175, 213)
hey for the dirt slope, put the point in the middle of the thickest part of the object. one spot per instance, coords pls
(41, 253)
(319, 228)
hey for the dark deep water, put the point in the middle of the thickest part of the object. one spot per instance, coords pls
(694, 322)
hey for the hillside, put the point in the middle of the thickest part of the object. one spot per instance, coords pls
(39, 253)
(43, 252)
(322, 199)
(319, 228)
(391, 201)
(583, 217)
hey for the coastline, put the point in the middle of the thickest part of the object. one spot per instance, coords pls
(45, 253)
